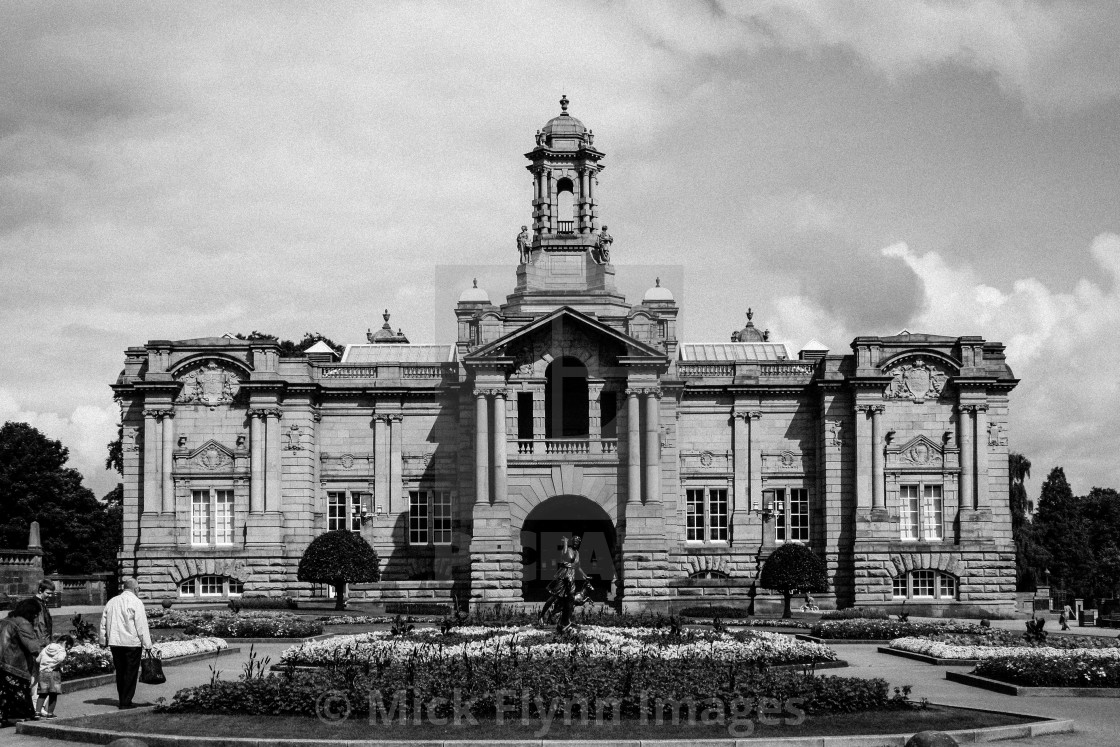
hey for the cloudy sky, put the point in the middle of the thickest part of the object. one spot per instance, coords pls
(182, 170)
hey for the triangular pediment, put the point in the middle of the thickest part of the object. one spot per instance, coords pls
(920, 452)
(576, 326)
(211, 447)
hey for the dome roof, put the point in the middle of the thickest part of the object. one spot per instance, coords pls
(474, 295)
(564, 123)
(750, 333)
(657, 293)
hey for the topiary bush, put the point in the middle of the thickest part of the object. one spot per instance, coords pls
(339, 558)
(417, 608)
(715, 610)
(793, 569)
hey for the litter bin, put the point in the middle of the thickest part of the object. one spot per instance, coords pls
(1087, 618)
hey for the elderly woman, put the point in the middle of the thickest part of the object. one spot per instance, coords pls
(19, 645)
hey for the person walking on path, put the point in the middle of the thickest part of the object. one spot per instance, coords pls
(124, 629)
(50, 674)
(1068, 612)
(43, 624)
(18, 648)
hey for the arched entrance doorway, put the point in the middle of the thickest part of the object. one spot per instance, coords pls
(565, 516)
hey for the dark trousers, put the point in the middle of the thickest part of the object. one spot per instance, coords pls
(126, 660)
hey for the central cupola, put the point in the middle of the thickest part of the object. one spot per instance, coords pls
(567, 259)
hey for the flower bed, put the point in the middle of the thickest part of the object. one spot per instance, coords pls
(596, 666)
(885, 630)
(88, 659)
(238, 625)
(948, 650)
(988, 638)
(595, 642)
(1055, 668)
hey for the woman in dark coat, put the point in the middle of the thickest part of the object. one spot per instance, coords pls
(19, 647)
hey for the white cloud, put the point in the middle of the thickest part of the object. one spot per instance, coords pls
(1062, 346)
(85, 432)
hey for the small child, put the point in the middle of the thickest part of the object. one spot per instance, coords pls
(50, 674)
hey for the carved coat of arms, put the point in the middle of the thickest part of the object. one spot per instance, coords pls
(916, 380)
(209, 385)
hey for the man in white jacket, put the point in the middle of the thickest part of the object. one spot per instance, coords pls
(124, 629)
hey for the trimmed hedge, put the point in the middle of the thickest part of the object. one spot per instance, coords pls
(417, 608)
(263, 603)
(856, 613)
(716, 610)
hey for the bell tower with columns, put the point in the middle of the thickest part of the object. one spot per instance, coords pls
(567, 259)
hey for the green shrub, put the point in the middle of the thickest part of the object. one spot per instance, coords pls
(240, 626)
(793, 569)
(885, 630)
(856, 613)
(339, 558)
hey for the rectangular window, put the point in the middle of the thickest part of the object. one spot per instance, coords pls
(798, 515)
(948, 586)
(200, 517)
(236, 588)
(186, 589)
(922, 583)
(210, 586)
(418, 517)
(211, 517)
(525, 415)
(899, 585)
(908, 511)
(934, 509)
(344, 510)
(790, 507)
(441, 517)
(717, 514)
(223, 517)
(694, 516)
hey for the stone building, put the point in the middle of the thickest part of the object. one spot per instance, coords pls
(568, 409)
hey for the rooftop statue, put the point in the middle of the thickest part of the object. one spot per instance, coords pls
(602, 251)
(524, 246)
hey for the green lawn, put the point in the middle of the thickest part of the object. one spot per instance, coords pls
(296, 727)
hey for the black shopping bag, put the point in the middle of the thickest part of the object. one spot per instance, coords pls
(151, 669)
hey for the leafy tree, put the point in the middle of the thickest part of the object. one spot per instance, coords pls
(1061, 532)
(1030, 557)
(1101, 512)
(115, 460)
(289, 348)
(339, 558)
(793, 569)
(36, 485)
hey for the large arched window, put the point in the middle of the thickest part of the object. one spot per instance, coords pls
(565, 399)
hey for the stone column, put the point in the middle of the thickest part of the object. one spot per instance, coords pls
(396, 463)
(583, 207)
(755, 459)
(499, 437)
(878, 501)
(167, 423)
(381, 462)
(965, 429)
(550, 184)
(651, 460)
(272, 460)
(153, 445)
(863, 462)
(746, 471)
(633, 449)
(594, 417)
(481, 448)
(982, 501)
(256, 462)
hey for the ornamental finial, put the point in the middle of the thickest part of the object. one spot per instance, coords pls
(657, 282)
(563, 103)
(385, 316)
(476, 282)
(750, 314)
